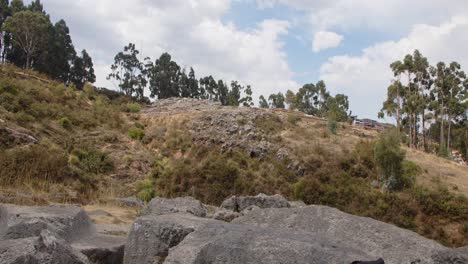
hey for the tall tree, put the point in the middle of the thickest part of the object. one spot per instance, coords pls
(60, 53)
(129, 71)
(17, 6)
(82, 70)
(276, 100)
(234, 94)
(263, 102)
(290, 99)
(164, 77)
(29, 31)
(193, 84)
(247, 99)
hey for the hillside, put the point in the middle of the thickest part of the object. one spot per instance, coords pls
(89, 147)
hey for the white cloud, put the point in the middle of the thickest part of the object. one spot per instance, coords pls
(365, 77)
(191, 31)
(325, 40)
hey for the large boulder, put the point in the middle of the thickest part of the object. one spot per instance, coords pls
(220, 243)
(161, 206)
(68, 222)
(44, 227)
(451, 256)
(239, 203)
(46, 248)
(378, 239)
(152, 236)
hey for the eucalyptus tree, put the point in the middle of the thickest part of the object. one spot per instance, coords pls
(29, 33)
(263, 102)
(130, 72)
(276, 100)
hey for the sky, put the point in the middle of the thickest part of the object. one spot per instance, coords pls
(274, 45)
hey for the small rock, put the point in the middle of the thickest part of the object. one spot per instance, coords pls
(238, 204)
(130, 201)
(226, 215)
(161, 206)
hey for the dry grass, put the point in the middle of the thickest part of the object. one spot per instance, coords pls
(438, 170)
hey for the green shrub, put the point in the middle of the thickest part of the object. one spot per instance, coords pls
(132, 108)
(389, 157)
(145, 190)
(332, 126)
(409, 172)
(92, 161)
(136, 133)
(293, 119)
(65, 122)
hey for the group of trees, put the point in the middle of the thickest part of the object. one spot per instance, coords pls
(165, 78)
(29, 40)
(422, 94)
(312, 99)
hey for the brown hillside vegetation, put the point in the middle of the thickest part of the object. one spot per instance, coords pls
(62, 145)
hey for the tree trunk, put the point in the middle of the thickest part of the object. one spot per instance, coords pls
(424, 126)
(448, 133)
(398, 107)
(442, 136)
(28, 61)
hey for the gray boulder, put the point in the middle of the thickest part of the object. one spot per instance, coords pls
(68, 222)
(220, 243)
(239, 203)
(161, 206)
(152, 236)
(451, 256)
(378, 239)
(46, 248)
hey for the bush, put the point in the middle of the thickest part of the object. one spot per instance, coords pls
(65, 122)
(293, 119)
(24, 165)
(132, 108)
(332, 126)
(136, 133)
(389, 157)
(145, 190)
(409, 172)
(92, 161)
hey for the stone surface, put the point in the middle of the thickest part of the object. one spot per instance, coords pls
(239, 203)
(452, 256)
(378, 239)
(220, 243)
(68, 222)
(102, 249)
(130, 201)
(226, 215)
(161, 206)
(152, 236)
(46, 248)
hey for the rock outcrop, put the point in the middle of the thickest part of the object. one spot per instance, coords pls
(161, 206)
(54, 234)
(240, 203)
(378, 239)
(268, 229)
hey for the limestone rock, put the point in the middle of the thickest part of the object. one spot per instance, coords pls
(451, 256)
(152, 236)
(220, 243)
(378, 239)
(46, 248)
(239, 203)
(68, 222)
(161, 206)
(226, 215)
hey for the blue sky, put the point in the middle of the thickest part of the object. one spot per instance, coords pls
(275, 45)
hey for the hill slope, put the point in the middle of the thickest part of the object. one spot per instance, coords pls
(62, 145)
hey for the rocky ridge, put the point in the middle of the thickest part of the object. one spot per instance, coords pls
(252, 229)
